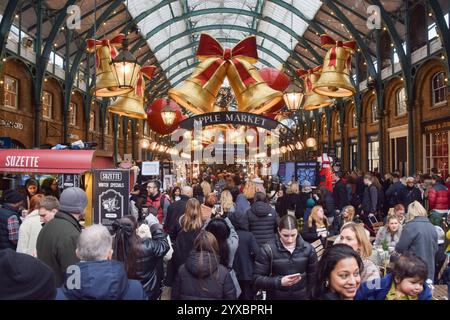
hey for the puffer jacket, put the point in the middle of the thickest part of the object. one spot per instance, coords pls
(102, 280)
(203, 278)
(275, 262)
(150, 253)
(262, 222)
(438, 197)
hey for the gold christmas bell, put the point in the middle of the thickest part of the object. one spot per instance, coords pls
(335, 78)
(198, 93)
(106, 83)
(312, 99)
(131, 105)
(252, 93)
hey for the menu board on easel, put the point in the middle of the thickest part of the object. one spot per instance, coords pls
(110, 194)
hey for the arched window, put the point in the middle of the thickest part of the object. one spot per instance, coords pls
(106, 127)
(11, 92)
(354, 119)
(47, 105)
(400, 102)
(439, 89)
(374, 108)
(324, 127)
(72, 114)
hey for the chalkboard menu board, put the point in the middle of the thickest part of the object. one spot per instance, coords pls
(110, 195)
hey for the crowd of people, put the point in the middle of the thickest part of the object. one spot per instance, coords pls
(231, 236)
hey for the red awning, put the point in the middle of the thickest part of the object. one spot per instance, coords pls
(53, 161)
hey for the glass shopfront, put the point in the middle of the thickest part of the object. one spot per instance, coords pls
(436, 152)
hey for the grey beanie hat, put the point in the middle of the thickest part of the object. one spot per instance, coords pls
(73, 200)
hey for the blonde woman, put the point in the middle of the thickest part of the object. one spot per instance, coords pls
(389, 233)
(226, 203)
(191, 223)
(347, 215)
(419, 236)
(317, 226)
(249, 191)
(206, 188)
(294, 206)
(355, 236)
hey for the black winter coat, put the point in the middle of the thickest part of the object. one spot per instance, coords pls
(301, 206)
(340, 195)
(276, 262)
(203, 278)
(370, 200)
(327, 202)
(248, 249)
(281, 206)
(409, 195)
(310, 233)
(181, 249)
(174, 212)
(150, 253)
(262, 222)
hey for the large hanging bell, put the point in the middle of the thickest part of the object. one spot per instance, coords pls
(312, 99)
(196, 94)
(106, 83)
(335, 78)
(129, 105)
(252, 93)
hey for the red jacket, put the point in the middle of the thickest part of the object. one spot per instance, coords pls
(161, 207)
(438, 197)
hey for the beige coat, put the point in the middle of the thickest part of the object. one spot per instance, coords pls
(28, 233)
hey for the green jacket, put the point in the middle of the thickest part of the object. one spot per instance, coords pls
(57, 242)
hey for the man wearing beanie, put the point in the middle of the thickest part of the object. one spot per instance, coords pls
(10, 219)
(24, 277)
(57, 241)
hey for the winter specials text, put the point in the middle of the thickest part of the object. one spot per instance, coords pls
(225, 309)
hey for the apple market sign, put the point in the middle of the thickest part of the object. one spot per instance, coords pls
(243, 118)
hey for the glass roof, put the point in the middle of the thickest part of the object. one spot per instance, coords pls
(172, 28)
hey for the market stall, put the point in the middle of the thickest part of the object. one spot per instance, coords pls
(69, 166)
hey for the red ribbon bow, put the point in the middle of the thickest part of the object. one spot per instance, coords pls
(306, 74)
(112, 44)
(148, 73)
(209, 47)
(328, 42)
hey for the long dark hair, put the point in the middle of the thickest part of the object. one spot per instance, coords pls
(173, 192)
(219, 228)
(126, 243)
(46, 188)
(330, 259)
